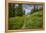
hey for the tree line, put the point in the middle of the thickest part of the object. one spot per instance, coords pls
(18, 11)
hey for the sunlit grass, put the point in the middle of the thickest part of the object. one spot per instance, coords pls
(32, 21)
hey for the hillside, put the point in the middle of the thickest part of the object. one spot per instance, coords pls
(32, 21)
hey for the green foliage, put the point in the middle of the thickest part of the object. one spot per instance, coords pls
(11, 10)
(36, 10)
(19, 11)
(16, 22)
(33, 20)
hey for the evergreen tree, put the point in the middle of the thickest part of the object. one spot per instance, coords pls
(19, 11)
(11, 10)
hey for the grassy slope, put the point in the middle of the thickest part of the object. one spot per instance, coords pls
(32, 21)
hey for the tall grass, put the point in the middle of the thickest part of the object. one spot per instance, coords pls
(32, 21)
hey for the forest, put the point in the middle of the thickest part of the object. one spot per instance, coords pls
(19, 19)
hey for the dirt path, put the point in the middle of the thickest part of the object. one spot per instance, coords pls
(24, 24)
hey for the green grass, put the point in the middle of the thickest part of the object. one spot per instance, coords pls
(32, 21)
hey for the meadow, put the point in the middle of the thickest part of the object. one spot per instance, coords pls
(32, 21)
